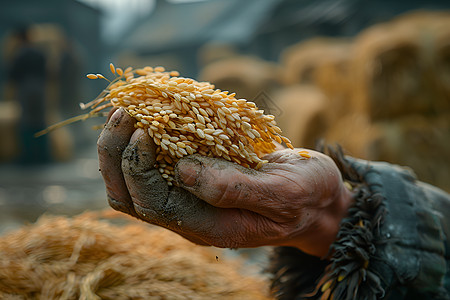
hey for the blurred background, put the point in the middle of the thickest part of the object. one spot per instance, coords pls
(373, 76)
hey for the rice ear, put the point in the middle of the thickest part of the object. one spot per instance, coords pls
(174, 110)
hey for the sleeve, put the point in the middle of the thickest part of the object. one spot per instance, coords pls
(393, 244)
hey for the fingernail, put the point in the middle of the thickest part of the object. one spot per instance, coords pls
(137, 135)
(111, 112)
(115, 118)
(189, 171)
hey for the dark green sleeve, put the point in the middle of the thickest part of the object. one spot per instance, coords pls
(392, 245)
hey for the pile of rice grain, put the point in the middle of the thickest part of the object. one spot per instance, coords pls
(184, 116)
(87, 257)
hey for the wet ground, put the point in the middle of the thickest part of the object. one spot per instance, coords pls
(69, 188)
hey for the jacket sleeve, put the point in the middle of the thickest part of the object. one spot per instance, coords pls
(392, 245)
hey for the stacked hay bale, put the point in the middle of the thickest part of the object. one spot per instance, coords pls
(388, 72)
(304, 114)
(384, 96)
(110, 256)
(247, 76)
(397, 78)
(332, 76)
(302, 60)
(438, 36)
(386, 82)
(316, 95)
(417, 141)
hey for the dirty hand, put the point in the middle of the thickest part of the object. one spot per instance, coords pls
(292, 200)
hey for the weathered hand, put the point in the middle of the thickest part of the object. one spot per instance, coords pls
(291, 201)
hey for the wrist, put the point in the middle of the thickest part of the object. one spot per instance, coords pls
(322, 231)
(331, 220)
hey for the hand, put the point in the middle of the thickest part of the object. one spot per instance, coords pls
(290, 201)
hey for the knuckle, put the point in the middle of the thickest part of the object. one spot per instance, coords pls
(121, 206)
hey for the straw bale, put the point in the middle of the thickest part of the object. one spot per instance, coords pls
(333, 77)
(401, 66)
(387, 72)
(440, 67)
(96, 256)
(245, 75)
(416, 141)
(300, 61)
(423, 20)
(215, 51)
(433, 34)
(354, 132)
(305, 116)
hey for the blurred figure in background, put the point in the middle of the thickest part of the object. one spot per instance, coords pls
(27, 73)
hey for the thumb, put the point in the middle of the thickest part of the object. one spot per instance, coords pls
(225, 184)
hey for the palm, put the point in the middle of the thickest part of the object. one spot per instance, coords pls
(290, 201)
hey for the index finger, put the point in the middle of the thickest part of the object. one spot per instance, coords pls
(110, 145)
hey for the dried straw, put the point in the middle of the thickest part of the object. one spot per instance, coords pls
(88, 257)
(388, 73)
(247, 76)
(301, 61)
(305, 117)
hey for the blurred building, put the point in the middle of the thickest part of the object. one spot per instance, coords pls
(67, 32)
(174, 33)
(292, 21)
(78, 21)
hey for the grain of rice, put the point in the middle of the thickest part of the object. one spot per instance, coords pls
(184, 117)
(112, 68)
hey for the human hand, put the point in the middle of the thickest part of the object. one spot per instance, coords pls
(291, 201)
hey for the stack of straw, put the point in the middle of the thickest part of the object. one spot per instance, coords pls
(247, 76)
(88, 257)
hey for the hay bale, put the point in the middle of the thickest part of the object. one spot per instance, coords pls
(401, 67)
(442, 71)
(215, 51)
(433, 34)
(354, 132)
(387, 72)
(304, 114)
(439, 69)
(300, 61)
(89, 257)
(247, 76)
(419, 142)
(333, 78)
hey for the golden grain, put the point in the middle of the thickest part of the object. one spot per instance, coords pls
(184, 117)
(304, 154)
